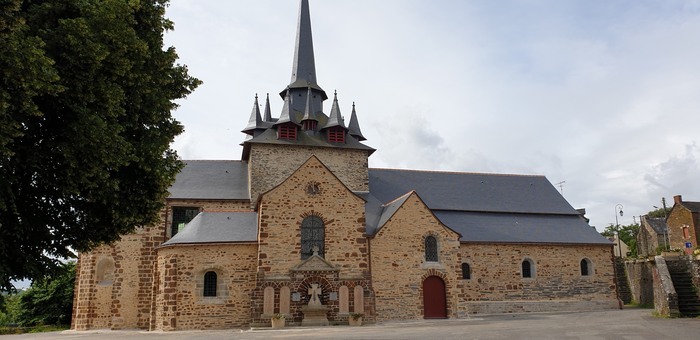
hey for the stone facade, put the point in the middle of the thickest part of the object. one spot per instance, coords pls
(270, 164)
(497, 285)
(114, 283)
(179, 288)
(399, 265)
(312, 190)
(683, 224)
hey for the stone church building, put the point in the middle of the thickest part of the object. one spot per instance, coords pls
(301, 226)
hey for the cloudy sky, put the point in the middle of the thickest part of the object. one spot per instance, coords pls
(603, 95)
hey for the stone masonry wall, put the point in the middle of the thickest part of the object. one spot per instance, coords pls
(677, 219)
(283, 209)
(641, 280)
(180, 304)
(399, 266)
(497, 286)
(269, 165)
(311, 190)
(123, 298)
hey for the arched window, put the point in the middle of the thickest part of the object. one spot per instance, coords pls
(528, 268)
(586, 267)
(431, 249)
(210, 284)
(313, 235)
(466, 271)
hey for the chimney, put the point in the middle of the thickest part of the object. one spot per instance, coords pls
(678, 199)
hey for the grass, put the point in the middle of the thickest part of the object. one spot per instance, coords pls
(35, 329)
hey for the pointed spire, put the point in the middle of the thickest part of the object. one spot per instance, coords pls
(255, 120)
(309, 113)
(268, 115)
(286, 116)
(335, 118)
(354, 126)
(304, 66)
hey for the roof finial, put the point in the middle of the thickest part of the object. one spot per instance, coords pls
(268, 114)
(255, 120)
(354, 126)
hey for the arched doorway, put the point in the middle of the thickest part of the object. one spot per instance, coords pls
(434, 298)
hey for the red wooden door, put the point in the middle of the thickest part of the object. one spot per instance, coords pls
(434, 299)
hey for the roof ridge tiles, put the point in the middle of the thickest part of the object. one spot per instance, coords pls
(211, 160)
(461, 172)
(398, 198)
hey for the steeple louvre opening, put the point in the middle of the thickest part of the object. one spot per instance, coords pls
(287, 131)
(336, 135)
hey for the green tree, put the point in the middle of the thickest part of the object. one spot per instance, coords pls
(10, 311)
(628, 234)
(85, 126)
(49, 301)
(659, 212)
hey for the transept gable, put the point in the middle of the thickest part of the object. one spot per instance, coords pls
(410, 207)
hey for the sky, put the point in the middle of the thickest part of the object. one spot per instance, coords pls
(602, 96)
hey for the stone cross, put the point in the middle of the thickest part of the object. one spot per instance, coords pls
(315, 250)
(314, 291)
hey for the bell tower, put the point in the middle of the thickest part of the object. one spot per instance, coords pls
(275, 147)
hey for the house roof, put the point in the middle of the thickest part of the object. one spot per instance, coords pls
(218, 227)
(658, 224)
(692, 206)
(206, 179)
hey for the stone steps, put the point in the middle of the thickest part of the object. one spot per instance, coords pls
(688, 301)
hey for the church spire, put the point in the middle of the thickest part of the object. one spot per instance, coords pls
(310, 121)
(335, 118)
(268, 115)
(354, 126)
(304, 65)
(286, 116)
(255, 120)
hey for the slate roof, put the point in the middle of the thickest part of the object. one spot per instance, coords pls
(658, 224)
(312, 138)
(692, 206)
(482, 207)
(218, 227)
(204, 179)
(471, 191)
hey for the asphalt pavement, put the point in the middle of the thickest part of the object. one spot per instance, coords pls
(632, 323)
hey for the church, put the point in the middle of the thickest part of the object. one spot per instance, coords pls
(302, 227)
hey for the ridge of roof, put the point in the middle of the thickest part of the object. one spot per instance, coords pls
(459, 172)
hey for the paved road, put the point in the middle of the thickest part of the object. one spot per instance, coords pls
(615, 324)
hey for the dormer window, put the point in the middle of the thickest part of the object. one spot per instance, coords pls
(309, 124)
(287, 131)
(336, 135)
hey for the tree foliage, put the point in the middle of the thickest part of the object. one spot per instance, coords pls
(659, 212)
(628, 234)
(49, 301)
(87, 89)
